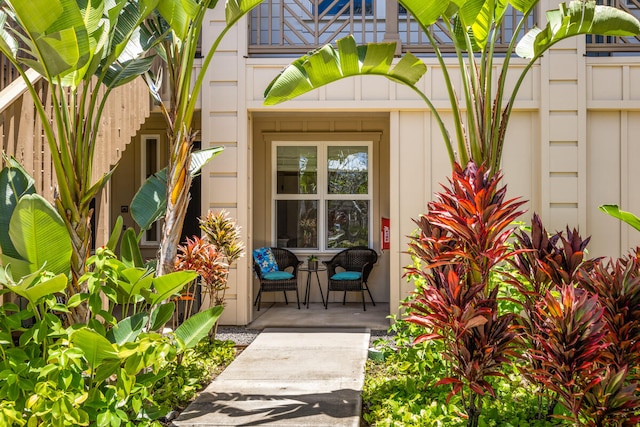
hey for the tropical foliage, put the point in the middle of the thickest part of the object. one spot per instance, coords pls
(175, 31)
(482, 106)
(624, 216)
(83, 50)
(497, 311)
(462, 238)
(224, 234)
(211, 257)
(203, 257)
(99, 373)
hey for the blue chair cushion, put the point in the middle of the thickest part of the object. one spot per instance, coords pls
(347, 275)
(265, 260)
(277, 275)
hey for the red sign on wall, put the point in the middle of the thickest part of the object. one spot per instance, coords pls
(386, 234)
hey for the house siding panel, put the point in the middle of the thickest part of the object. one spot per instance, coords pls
(562, 65)
(373, 88)
(631, 82)
(563, 157)
(342, 90)
(612, 90)
(563, 95)
(226, 126)
(563, 126)
(223, 190)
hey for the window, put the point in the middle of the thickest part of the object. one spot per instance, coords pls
(339, 7)
(150, 156)
(322, 194)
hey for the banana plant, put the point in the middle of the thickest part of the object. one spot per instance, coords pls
(175, 30)
(15, 182)
(77, 47)
(481, 113)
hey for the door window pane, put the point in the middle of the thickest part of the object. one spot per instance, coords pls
(348, 170)
(297, 223)
(347, 223)
(297, 170)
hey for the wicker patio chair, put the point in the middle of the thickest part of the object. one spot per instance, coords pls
(349, 270)
(284, 279)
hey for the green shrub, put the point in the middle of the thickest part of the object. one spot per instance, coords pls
(100, 373)
(195, 371)
(400, 390)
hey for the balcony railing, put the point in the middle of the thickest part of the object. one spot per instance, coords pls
(294, 27)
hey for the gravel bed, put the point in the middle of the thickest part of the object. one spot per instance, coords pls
(238, 334)
(243, 336)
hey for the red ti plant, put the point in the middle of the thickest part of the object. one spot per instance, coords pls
(617, 285)
(543, 263)
(550, 329)
(548, 261)
(463, 237)
(572, 352)
(611, 402)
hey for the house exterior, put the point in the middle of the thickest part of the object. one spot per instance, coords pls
(571, 145)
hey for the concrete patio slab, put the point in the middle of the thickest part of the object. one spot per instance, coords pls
(351, 315)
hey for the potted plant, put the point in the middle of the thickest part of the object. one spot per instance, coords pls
(312, 262)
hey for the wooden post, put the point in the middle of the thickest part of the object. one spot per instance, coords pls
(391, 27)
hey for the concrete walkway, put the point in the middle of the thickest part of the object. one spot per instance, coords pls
(288, 377)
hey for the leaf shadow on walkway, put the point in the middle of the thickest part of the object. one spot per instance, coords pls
(257, 409)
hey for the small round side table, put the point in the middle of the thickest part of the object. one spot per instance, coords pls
(307, 291)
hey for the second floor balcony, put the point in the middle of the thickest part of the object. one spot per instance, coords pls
(294, 27)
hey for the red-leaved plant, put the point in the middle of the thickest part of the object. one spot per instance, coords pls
(462, 238)
(617, 285)
(611, 402)
(569, 341)
(202, 256)
(543, 263)
(569, 331)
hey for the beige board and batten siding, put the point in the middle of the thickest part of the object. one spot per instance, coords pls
(613, 140)
(225, 123)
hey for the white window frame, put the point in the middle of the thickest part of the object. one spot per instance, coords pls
(144, 142)
(322, 196)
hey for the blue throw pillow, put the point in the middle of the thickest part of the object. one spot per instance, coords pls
(278, 275)
(347, 275)
(265, 259)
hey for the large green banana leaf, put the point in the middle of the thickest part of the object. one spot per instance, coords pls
(60, 41)
(15, 182)
(39, 237)
(96, 348)
(168, 285)
(579, 17)
(326, 65)
(150, 202)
